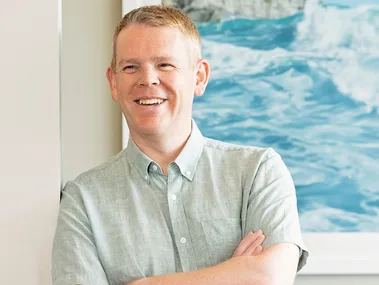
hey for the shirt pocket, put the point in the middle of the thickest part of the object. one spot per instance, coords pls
(222, 237)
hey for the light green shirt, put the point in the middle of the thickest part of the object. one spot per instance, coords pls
(125, 219)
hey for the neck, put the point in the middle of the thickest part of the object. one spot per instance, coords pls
(163, 149)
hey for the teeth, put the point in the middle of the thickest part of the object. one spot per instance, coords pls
(150, 101)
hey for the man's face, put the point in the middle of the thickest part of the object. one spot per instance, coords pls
(155, 79)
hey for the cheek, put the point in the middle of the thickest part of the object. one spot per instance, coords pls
(183, 84)
(124, 88)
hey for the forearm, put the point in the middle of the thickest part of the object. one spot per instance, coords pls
(239, 270)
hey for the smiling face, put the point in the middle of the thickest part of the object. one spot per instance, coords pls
(155, 80)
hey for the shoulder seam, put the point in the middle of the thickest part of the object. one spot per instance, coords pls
(103, 165)
(229, 146)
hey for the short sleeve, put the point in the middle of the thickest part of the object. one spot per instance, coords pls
(272, 205)
(74, 257)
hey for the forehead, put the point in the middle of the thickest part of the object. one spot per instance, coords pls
(139, 40)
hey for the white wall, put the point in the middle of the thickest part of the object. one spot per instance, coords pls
(29, 139)
(337, 280)
(91, 121)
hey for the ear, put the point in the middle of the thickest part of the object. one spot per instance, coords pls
(111, 76)
(202, 76)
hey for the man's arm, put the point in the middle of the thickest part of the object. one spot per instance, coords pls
(274, 266)
(272, 207)
(74, 256)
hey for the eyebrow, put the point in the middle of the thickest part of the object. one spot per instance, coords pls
(154, 59)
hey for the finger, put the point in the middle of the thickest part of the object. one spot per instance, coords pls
(258, 250)
(246, 242)
(255, 248)
(251, 249)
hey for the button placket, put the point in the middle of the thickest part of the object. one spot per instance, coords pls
(178, 219)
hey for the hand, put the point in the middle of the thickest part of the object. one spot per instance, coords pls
(142, 281)
(250, 245)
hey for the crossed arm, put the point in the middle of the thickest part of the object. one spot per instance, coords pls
(273, 202)
(275, 212)
(250, 263)
(275, 265)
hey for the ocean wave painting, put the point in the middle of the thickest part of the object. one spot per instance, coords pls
(308, 86)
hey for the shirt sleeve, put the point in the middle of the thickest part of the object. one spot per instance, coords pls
(272, 206)
(74, 257)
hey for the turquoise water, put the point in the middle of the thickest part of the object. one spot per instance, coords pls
(308, 86)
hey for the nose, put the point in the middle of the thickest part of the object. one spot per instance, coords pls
(148, 77)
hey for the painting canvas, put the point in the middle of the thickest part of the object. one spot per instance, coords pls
(302, 77)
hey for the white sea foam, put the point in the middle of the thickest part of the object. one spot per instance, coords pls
(330, 29)
(351, 36)
(324, 219)
(342, 42)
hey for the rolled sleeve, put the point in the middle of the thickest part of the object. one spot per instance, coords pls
(272, 206)
(74, 257)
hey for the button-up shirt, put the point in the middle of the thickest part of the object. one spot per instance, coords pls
(126, 219)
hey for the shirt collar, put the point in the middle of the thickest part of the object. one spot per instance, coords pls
(190, 155)
(187, 159)
(138, 158)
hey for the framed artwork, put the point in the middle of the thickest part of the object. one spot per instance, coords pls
(301, 77)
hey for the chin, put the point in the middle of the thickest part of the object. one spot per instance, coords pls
(150, 130)
(150, 127)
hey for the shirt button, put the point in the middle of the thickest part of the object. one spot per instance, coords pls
(146, 177)
(183, 240)
(155, 168)
(188, 173)
(173, 197)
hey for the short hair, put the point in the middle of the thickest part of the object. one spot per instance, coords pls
(160, 16)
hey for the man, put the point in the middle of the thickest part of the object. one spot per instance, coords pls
(174, 207)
